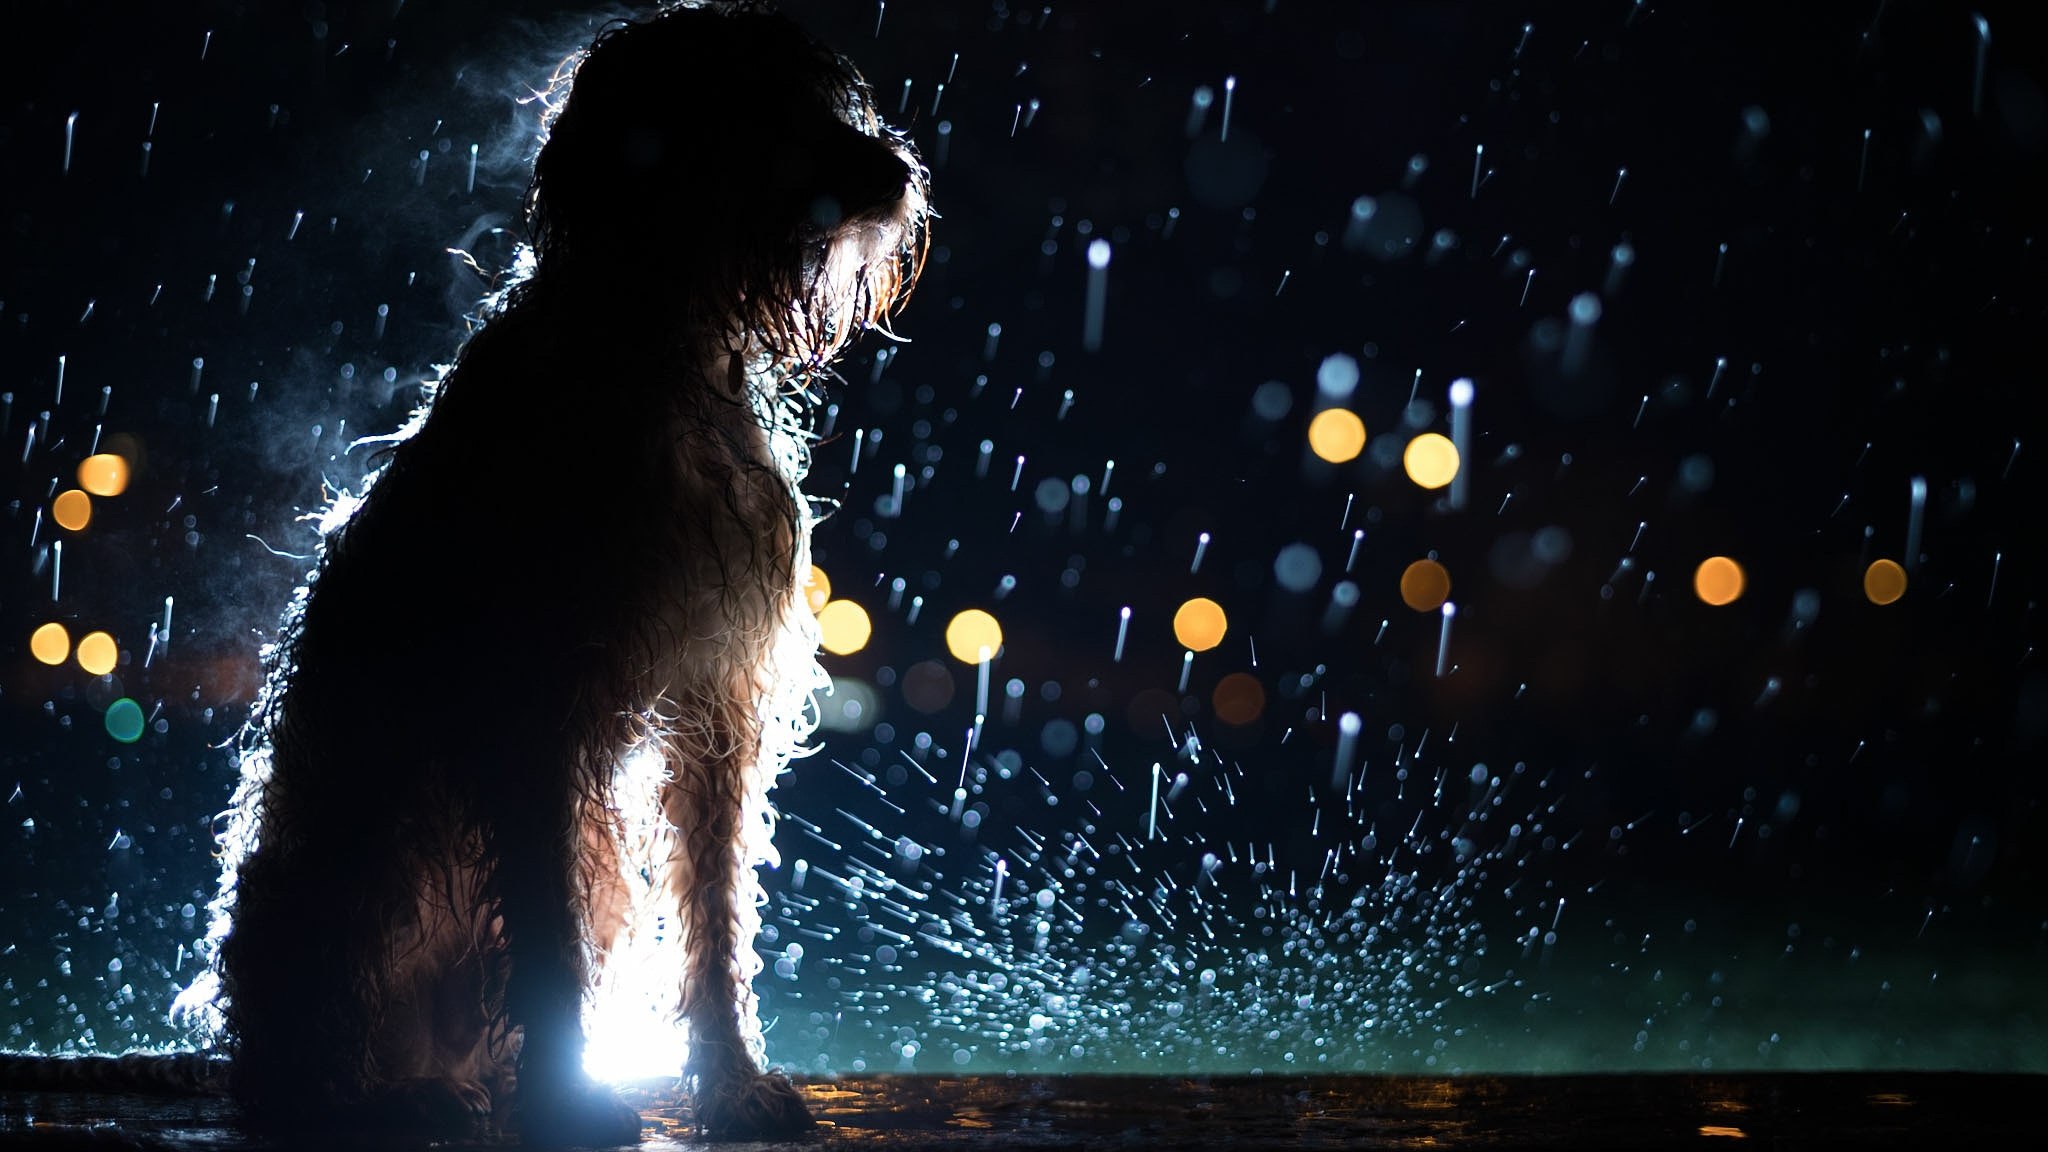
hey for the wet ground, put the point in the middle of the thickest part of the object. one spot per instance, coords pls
(1878, 1109)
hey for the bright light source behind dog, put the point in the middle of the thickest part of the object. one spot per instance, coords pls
(629, 1017)
(627, 1045)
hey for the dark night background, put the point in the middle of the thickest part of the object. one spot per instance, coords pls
(1801, 830)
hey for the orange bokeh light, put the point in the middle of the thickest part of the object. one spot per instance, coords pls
(97, 653)
(1239, 698)
(1199, 624)
(845, 627)
(973, 636)
(1884, 581)
(72, 510)
(1425, 585)
(1336, 435)
(103, 475)
(50, 643)
(1431, 460)
(1718, 580)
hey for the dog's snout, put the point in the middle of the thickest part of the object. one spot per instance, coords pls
(868, 171)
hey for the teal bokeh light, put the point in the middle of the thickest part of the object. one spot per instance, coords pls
(124, 720)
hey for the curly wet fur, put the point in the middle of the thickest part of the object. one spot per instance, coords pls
(522, 720)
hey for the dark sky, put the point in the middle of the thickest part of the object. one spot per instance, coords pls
(1831, 215)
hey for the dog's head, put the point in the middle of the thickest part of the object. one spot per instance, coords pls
(737, 167)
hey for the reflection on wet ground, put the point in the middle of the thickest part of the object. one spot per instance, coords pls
(1874, 1109)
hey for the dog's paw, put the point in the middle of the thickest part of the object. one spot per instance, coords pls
(441, 1105)
(750, 1106)
(585, 1116)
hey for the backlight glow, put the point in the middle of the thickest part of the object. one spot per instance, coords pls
(817, 588)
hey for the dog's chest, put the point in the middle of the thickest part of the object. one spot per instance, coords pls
(726, 535)
(739, 470)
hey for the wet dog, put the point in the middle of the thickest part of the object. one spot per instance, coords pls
(514, 747)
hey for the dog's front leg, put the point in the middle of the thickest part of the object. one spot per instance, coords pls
(536, 839)
(731, 1097)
